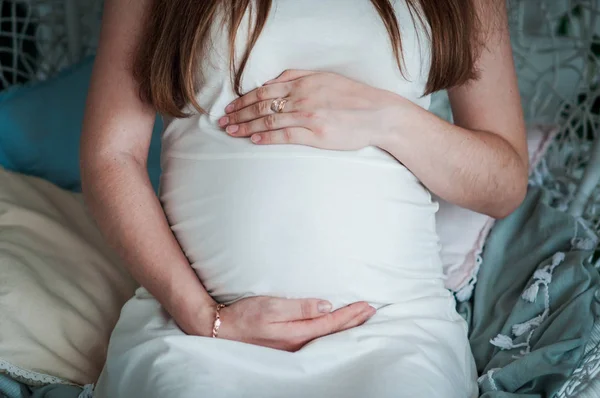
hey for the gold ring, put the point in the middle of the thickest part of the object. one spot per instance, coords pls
(278, 104)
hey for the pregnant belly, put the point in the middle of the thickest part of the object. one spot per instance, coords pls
(336, 229)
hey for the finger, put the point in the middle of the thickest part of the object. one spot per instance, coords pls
(252, 112)
(286, 310)
(274, 121)
(287, 135)
(340, 319)
(332, 323)
(291, 74)
(259, 94)
(358, 320)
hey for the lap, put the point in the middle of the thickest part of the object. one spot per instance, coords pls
(408, 350)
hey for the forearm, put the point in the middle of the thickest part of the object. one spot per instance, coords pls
(119, 194)
(478, 170)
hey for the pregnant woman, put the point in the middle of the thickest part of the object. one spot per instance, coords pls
(292, 249)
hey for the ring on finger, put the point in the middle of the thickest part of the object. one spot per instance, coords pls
(278, 104)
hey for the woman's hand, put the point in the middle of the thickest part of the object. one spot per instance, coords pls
(478, 162)
(284, 324)
(323, 110)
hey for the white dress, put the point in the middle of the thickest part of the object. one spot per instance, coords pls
(294, 221)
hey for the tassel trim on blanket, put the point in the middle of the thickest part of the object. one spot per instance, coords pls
(88, 391)
(489, 377)
(541, 279)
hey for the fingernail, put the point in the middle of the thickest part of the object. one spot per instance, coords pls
(223, 121)
(229, 108)
(255, 138)
(324, 306)
(232, 129)
(370, 310)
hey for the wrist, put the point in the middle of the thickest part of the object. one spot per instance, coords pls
(392, 117)
(195, 318)
(193, 309)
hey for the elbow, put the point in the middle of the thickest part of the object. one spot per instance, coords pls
(96, 169)
(510, 198)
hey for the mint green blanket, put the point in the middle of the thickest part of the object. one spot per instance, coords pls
(10, 388)
(535, 303)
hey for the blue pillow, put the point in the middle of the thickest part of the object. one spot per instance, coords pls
(40, 128)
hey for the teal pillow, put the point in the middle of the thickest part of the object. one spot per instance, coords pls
(40, 128)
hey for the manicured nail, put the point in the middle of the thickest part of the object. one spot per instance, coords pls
(324, 306)
(229, 108)
(256, 138)
(232, 129)
(224, 121)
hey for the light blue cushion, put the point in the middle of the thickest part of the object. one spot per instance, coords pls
(40, 128)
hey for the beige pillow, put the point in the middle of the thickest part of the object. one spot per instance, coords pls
(61, 288)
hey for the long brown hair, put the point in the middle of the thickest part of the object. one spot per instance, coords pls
(166, 63)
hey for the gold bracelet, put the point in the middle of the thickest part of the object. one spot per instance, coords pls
(217, 323)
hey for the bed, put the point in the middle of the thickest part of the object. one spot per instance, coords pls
(557, 52)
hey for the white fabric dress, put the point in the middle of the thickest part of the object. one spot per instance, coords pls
(296, 222)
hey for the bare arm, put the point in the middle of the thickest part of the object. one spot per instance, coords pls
(481, 161)
(116, 136)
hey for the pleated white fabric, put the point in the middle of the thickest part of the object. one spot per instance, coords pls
(295, 222)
